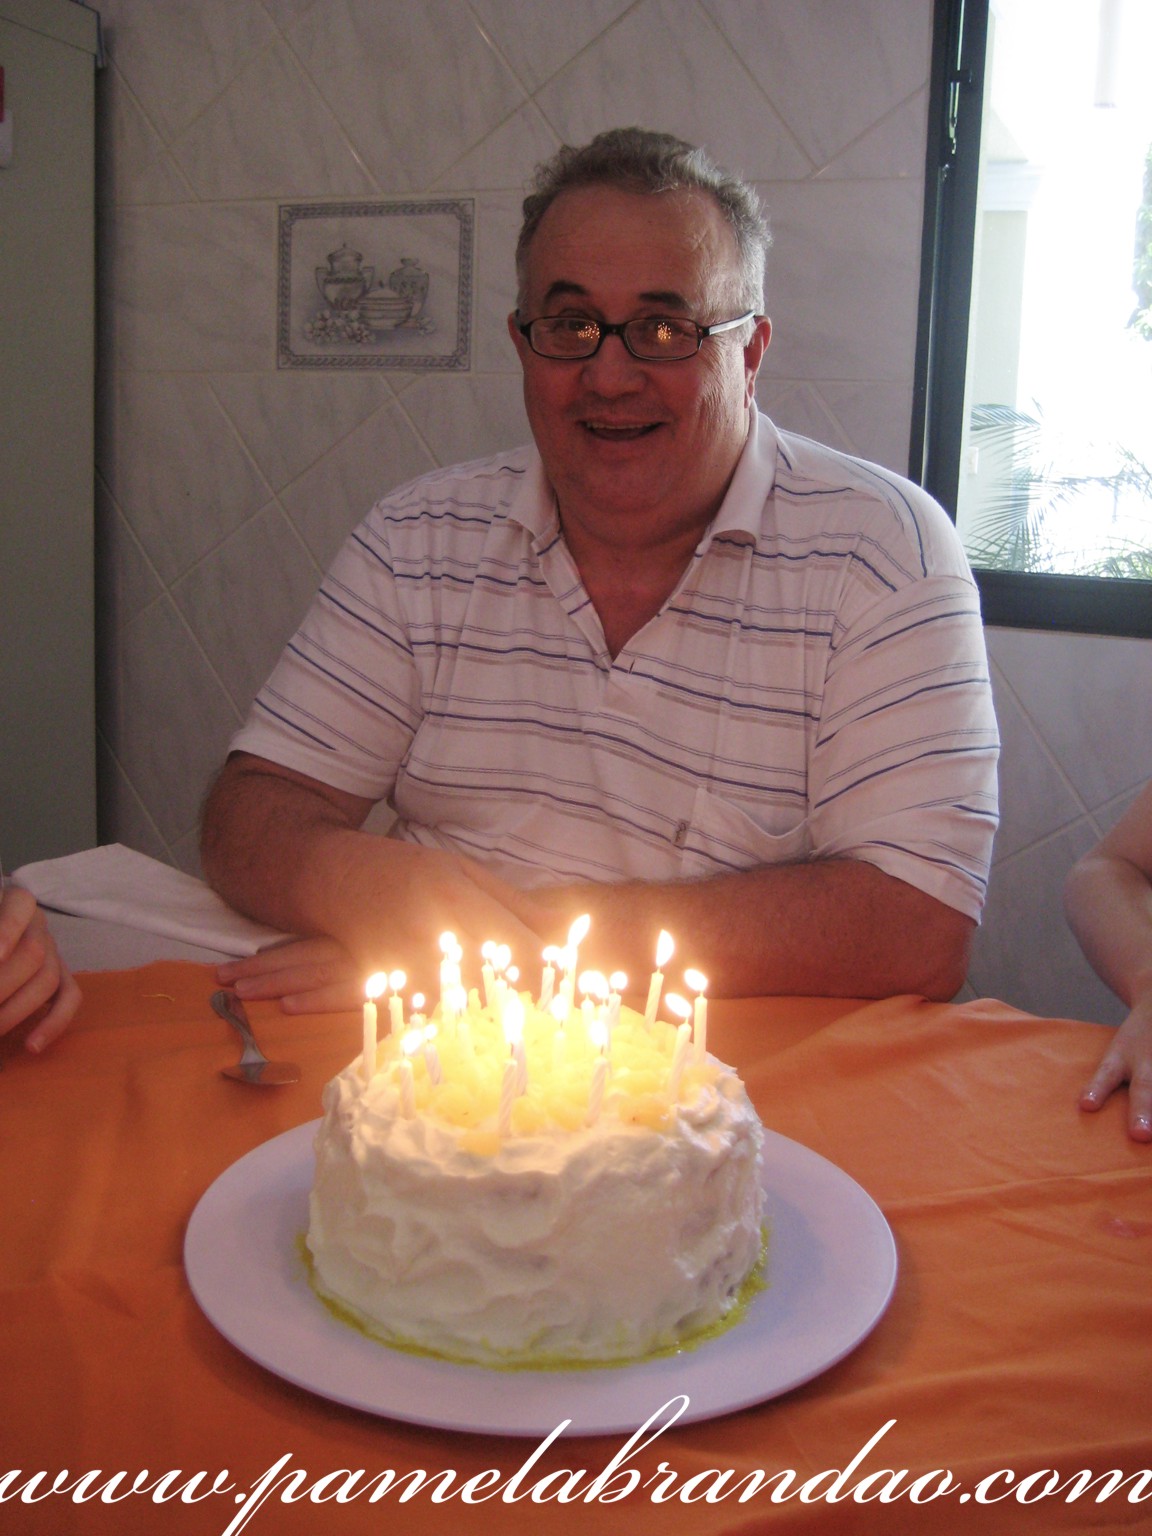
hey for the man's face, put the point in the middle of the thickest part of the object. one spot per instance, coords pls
(637, 451)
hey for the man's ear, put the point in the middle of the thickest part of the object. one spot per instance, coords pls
(754, 350)
(518, 341)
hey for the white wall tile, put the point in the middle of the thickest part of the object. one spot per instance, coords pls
(179, 57)
(328, 501)
(506, 158)
(190, 286)
(176, 469)
(892, 147)
(133, 164)
(1024, 952)
(1035, 797)
(245, 600)
(468, 417)
(291, 418)
(414, 86)
(1090, 698)
(665, 66)
(176, 731)
(538, 40)
(270, 134)
(830, 68)
(121, 815)
(843, 278)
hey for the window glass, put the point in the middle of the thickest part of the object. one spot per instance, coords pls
(1055, 471)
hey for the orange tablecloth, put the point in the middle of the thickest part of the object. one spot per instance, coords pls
(1019, 1336)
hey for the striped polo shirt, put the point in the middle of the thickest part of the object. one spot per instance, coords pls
(816, 685)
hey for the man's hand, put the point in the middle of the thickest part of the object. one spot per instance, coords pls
(33, 979)
(1128, 1059)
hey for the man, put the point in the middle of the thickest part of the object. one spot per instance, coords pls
(670, 667)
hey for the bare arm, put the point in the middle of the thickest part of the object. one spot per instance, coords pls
(837, 927)
(1108, 901)
(287, 850)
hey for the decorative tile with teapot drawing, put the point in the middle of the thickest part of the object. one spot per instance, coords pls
(375, 285)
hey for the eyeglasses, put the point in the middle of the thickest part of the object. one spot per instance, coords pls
(651, 338)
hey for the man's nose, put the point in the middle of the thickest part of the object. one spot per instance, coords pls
(612, 366)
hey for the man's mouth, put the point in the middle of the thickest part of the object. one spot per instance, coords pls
(619, 431)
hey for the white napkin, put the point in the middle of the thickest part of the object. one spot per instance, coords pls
(119, 885)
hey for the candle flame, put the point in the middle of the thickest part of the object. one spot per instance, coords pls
(513, 974)
(513, 1020)
(559, 1008)
(375, 985)
(696, 980)
(501, 957)
(551, 954)
(430, 1032)
(487, 949)
(447, 942)
(665, 944)
(594, 984)
(598, 1034)
(579, 931)
(396, 980)
(411, 1041)
(617, 981)
(678, 1005)
(418, 1002)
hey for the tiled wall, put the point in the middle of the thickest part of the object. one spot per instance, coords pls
(226, 485)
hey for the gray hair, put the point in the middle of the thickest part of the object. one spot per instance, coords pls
(640, 160)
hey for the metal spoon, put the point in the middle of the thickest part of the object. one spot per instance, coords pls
(253, 1066)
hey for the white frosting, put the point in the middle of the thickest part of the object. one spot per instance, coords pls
(607, 1243)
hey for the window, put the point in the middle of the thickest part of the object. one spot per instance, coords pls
(1034, 374)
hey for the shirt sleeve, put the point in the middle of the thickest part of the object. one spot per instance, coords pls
(343, 702)
(903, 772)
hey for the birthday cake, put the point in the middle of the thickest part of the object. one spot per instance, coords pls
(525, 1185)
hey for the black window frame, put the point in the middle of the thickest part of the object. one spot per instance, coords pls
(1015, 599)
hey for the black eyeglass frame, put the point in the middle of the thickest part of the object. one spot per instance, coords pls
(621, 330)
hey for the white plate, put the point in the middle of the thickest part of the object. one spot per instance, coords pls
(831, 1270)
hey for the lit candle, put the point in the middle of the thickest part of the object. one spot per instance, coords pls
(410, 1043)
(418, 1010)
(570, 955)
(449, 965)
(395, 1003)
(487, 950)
(431, 1054)
(513, 1020)
(683, 1044)
(372, 989)
(587, 984)
(507, 1094)
(698, 982)
(617, 982)
(548, 980)
(664, 948)
(596, 1097)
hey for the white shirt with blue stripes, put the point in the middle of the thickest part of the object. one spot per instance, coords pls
(816, 686)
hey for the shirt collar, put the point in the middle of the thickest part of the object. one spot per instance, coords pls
(742, 510)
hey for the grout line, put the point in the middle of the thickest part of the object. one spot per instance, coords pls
(1054, 761)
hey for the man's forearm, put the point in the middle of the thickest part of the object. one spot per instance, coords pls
(271, 847)
(837, 927)
(290, 853)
